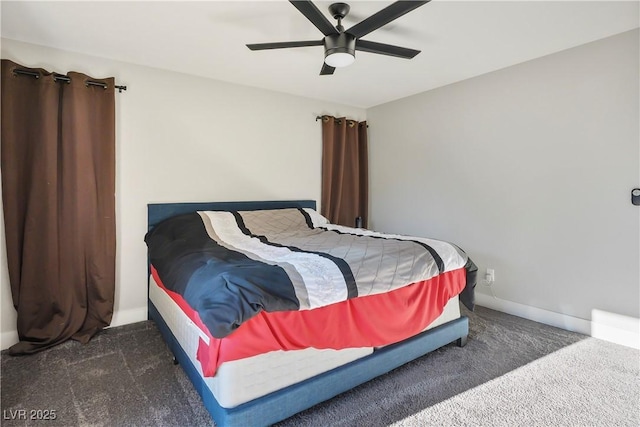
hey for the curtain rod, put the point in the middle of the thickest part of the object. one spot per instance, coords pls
(67, 79)
(337, 120)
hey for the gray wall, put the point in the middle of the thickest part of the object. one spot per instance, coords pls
(529, 169)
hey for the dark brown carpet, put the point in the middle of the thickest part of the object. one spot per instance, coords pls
(125, 377)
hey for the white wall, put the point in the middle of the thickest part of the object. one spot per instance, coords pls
(529, 169)
(185, 138)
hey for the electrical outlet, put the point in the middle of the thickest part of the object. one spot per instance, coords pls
(490, 277)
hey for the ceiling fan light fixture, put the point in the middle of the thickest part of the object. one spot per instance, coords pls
(339, 59)
(339, 50)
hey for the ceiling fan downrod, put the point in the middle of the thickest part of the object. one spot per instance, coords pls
(339, 11)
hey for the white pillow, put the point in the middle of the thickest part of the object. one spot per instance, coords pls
(317, 219)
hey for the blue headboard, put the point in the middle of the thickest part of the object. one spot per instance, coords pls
(158, 212)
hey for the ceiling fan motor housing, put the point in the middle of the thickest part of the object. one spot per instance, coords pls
(339, 43)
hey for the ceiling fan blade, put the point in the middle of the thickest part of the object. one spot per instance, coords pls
(386, 15)
(282, 45)
(317, 18)
(326, 69)
(386, 49)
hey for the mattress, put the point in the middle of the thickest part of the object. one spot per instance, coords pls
(241, 381)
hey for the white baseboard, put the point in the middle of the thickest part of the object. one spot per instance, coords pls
(132, 315)
(120, 317)
(606, 326)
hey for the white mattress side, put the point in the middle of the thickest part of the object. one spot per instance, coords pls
(240, 381)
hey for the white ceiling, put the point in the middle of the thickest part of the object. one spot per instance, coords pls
(458, 39)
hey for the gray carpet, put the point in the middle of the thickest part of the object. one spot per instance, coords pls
(512, 372)
(587, 383)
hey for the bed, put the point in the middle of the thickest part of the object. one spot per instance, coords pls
(242, 373)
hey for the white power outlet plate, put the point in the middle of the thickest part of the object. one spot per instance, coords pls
(490, 277)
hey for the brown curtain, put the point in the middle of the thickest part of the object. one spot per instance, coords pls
(58, 185)
(345, 174)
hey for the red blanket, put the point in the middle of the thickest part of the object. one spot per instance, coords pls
(367, 321)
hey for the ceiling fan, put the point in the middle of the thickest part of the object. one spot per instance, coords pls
(340, 44)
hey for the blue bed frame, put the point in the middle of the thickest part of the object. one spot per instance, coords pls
(288, 401)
